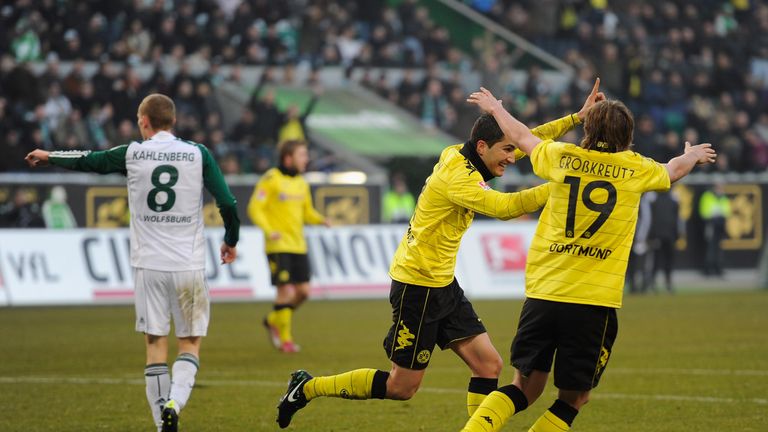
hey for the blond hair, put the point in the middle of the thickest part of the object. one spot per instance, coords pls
(160, 110)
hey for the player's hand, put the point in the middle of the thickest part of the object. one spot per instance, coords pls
(327, 222)
(275, 235)
(485, 100)
(228, 253)
(37, 158)
(594, 97)
(704, 153)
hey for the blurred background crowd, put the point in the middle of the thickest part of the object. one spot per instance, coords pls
(695, 71)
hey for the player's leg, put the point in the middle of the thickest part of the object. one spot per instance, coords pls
(298, 265)
(300, 294)
(408, 344)
(153, 318)
(463, 332)
(484, 362)
(398, 384)
(359, 384)
(506, 401)
(184, 371)
(278, 321)
(157, 378)
(190, 307)
(532, 353)
(586, 338)
(559, 417)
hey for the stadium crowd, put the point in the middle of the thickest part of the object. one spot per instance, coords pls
(685, 68)
(689, 70)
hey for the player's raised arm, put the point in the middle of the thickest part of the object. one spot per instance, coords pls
(594, 97)
(515, 130)
(680, 166)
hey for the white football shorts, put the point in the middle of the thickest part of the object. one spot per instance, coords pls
(160, 295)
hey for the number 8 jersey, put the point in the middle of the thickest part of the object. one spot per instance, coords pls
(166, 176)
(582, 243)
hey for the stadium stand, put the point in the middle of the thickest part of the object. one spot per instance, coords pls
(688, 70)
(685, 68)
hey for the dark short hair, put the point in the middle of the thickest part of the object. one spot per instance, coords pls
(286, 148)
(160, 110)
(608, 127)
(487, 129)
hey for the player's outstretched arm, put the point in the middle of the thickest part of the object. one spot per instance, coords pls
(102, 162)
(680, 166)
(515, 130)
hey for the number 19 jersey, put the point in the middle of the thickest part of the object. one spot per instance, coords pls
(582, 243)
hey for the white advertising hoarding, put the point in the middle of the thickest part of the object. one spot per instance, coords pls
(92, 266)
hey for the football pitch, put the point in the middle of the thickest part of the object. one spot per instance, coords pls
(687, 362)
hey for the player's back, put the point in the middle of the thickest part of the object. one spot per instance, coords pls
(165, 191)
(584, 235)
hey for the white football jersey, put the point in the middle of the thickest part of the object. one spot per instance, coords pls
(165, 190)
(166, 177)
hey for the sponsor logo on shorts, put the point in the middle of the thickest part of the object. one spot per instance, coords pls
(423, 356)
(604, 354)
(404, 337)
(283, 276)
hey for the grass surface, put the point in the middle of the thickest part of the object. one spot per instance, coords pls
(689, 362)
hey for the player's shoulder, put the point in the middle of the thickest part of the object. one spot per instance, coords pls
(271, 174)
(633, 157)
(452, 159)
(451, 151)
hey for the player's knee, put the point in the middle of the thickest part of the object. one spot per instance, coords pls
(495, 365)
(300, 297)
(489, 367)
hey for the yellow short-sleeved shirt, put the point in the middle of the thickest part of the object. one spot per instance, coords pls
(582, 243)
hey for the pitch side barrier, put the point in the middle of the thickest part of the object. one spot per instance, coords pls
(92, 265)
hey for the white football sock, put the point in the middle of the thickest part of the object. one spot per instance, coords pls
(158, 386)
(183, 378)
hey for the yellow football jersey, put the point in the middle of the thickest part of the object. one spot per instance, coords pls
(582, 243)
(447, 204)
(283, 203)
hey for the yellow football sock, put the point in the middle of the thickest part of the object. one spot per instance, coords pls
(558, 418)
(549, 422)
(473, 402)
(496, 409)
(478, 389)
(356, 384)
(281, 319)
